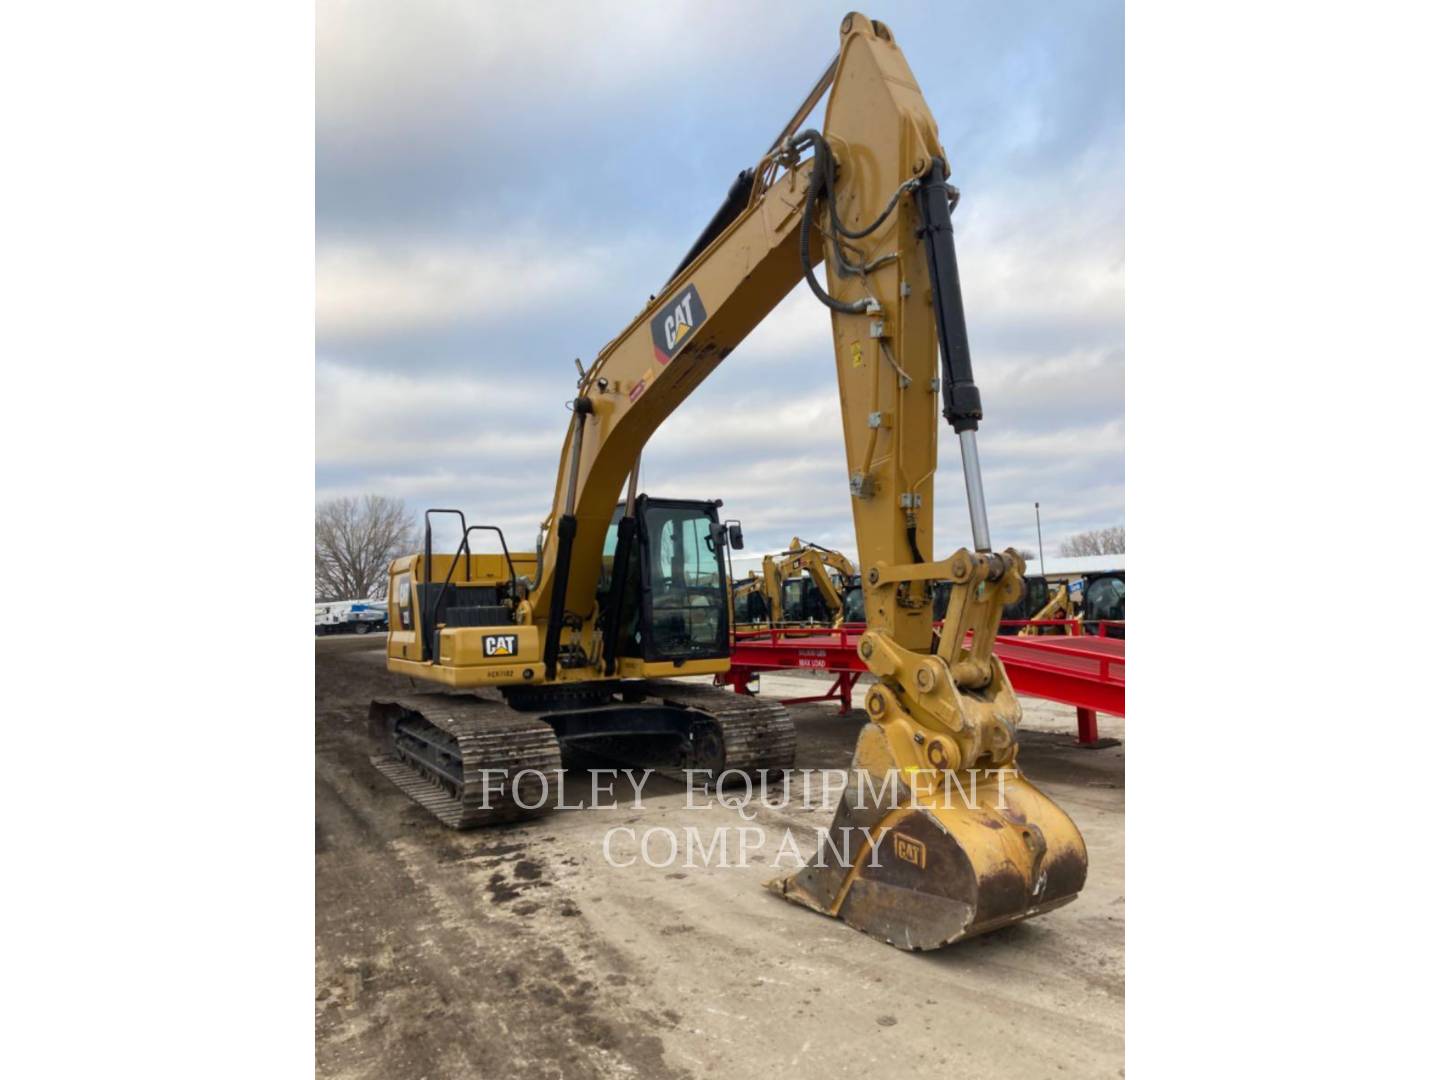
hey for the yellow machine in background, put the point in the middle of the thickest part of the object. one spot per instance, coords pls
(1059, 607)
(626, 588)
(777, 597)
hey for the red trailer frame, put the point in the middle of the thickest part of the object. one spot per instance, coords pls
(1087, 671)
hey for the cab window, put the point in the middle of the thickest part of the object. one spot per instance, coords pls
(1039, 593)
(400, 614)
(1106, 599)
(687, 585)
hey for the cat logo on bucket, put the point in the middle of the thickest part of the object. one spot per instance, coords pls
(909, 849)
(672, 329)
(501, 644)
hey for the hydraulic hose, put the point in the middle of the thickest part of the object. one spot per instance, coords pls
(854, 307)
(822, 181)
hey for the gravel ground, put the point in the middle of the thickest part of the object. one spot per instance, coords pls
(520, 951)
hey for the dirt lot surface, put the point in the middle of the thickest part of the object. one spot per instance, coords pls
(520, 951)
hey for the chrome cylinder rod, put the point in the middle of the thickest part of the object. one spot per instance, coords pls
(577, 443)
(631, 489)
(974, 490)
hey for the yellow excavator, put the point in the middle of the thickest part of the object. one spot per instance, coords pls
(580, 644)
(1060, 606)
(777, 597)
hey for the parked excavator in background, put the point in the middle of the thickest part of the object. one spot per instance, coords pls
(579, 644)
(1088, 599)
(804, 584)
(1033, 598)
(750, 601)
(1059, 607)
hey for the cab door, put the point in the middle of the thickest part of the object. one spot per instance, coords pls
(684, 592)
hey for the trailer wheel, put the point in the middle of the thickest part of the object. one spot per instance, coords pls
(362, 628)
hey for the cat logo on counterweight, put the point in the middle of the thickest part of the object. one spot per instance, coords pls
(501, 644)
(673, 328)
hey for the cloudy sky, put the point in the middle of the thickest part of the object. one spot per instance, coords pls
(500, 186)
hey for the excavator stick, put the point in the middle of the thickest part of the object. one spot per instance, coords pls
(938, 836)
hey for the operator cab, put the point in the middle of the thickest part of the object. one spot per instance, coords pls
(674, 594)
(1105, 600)
(801, 601)
(750, 609)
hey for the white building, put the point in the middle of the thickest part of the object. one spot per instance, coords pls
(1074, 567)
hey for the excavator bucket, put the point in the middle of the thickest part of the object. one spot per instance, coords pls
(921, 865)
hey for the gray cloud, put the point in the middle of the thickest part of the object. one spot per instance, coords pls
(499, 190)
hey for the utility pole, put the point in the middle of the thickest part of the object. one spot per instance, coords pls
(1039, 539)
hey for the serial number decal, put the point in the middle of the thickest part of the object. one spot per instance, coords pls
(672, 329)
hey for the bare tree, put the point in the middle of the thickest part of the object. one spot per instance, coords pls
(355, 540)
(1109, 541)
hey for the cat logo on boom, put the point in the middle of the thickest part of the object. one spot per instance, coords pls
(501, 644)
(672, 329)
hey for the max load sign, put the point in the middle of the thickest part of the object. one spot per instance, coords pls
(672, 329)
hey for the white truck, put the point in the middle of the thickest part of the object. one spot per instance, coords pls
(349, 617)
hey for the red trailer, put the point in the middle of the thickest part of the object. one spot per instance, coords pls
(1087, 671)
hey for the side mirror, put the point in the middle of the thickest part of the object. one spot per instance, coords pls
(737, 538)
